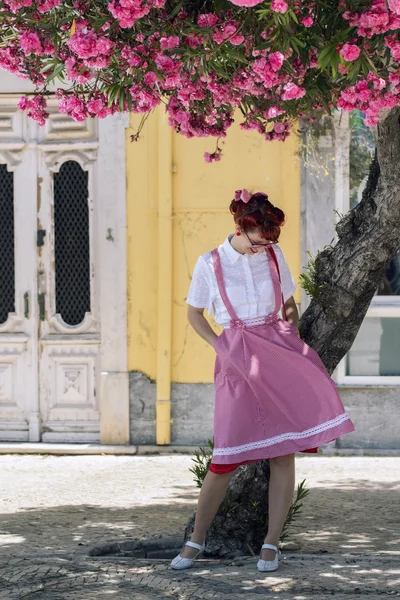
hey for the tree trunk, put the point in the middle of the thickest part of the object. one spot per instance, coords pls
(349, 274)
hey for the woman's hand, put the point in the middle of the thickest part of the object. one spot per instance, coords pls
(200, 324)
(292, 312)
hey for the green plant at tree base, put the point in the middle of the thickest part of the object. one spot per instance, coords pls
(295, 509)
(202, 461)
(308, 279)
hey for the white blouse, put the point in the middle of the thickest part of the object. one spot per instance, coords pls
(247, 280)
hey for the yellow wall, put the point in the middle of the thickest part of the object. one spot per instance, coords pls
(198, 201)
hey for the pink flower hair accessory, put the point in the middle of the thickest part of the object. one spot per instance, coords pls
(243, 195)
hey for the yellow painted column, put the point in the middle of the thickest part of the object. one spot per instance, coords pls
(164, 282)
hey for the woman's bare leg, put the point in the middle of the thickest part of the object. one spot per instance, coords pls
(211, 495)
(280, 495)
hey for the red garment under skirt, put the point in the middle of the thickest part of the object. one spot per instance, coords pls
(221, 469)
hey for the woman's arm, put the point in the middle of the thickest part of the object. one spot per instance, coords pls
(291, 311)
(200, 324)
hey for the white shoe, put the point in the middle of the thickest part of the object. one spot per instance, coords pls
(269, 565)
(180, 562)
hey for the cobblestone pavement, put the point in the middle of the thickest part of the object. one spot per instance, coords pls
(299, 577)
(54, 509)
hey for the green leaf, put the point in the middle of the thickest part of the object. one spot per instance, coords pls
(122, 100)
(129, 100)
(49, 66)
(236, 55)
(354, 71)
(57, 71)
(293, 15)
(175, 11)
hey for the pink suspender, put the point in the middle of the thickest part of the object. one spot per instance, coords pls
(221, 285)
(272, 253)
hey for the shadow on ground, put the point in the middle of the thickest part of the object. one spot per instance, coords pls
(355, 516)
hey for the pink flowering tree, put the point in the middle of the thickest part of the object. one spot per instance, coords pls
(209, 62)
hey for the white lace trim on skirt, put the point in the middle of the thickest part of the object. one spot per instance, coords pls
(297, 435)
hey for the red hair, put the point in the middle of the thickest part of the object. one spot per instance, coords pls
(258, 213)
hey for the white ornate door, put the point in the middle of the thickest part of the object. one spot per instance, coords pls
(19, 414)
(52, 249)
(68, 319)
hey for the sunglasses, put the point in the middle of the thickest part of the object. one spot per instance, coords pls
(253, 245)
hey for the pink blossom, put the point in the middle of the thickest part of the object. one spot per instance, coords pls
(264, 72)
(169, 43)
(104, 46)
(279, 127)
(76, 71)
(279, 6)
(87, 45)
(226, 31)
(172, 82)
(16, 5)
(30, 43)
(73, 107)
(150, 78)
(307, 21)
(378, 82)
(350, 52)
(48, 47)
(94, 106)
(165, 63)
(273, 112)
(143, 100)
(36, 108)
(10, 61)
(276, 60)
(127, 12)
(375, 20)
(98, 62)
(371, 120)
(215, 156)
(279, 132)
(133, 59)
(394, 46)
(194, 41)
(23, 103)
(247, 3)
(47, 5)
(293, 92)
(394, 6)
(237, 40)
(207, 20)
(97, 106)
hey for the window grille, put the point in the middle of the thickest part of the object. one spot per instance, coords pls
(7, 258)
(72, 248)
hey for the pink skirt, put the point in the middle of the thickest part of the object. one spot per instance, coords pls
(273, 396)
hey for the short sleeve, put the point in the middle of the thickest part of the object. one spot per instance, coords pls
(287, 281)
(200, 292)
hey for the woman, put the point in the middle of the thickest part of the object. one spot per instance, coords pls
(273, 395)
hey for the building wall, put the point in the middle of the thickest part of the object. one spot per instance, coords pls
(199, 198)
